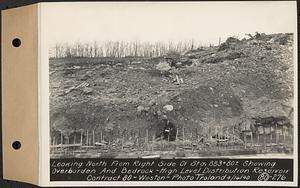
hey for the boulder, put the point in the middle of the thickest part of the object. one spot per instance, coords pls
(152, 102)
(168, 108)
(140, 109)
(87, 91)
(163, 66)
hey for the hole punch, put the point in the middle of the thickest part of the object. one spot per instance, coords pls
(16, 145)
(16, 42)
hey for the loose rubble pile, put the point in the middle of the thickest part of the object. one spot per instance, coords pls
(238, 81)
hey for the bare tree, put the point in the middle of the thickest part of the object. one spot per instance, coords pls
(121, 49)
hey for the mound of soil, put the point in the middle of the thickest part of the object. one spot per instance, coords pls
(239, 80)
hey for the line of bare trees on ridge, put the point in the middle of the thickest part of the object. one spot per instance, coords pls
(120, 49)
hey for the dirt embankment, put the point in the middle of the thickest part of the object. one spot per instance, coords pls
(225, 85)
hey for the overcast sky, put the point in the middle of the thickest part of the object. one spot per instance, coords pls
(202, 21)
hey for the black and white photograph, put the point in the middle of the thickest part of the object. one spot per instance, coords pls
(176, 93)
(171, 80)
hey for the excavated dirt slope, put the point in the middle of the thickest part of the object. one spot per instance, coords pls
(225, 85)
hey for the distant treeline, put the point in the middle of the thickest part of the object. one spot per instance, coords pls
(120, 49)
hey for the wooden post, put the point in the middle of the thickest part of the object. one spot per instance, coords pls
(87, 137)
(257, 140)
(208, 133)
(122, 142)
(101, 136)
(81, 135)
(147, 138)
(93, 138)
(75, 138)
(227, 137)
(276, 135)
(221, 135)
(183, 138)
(245, 140)
(251, 134)
(264, 137)
(233, 139)
(176, 133)
(61, 138)
(291, 135)
(283, 132)
(219, 41)
(271, 138)
(161, 143)
(153, 139)
(218, 138)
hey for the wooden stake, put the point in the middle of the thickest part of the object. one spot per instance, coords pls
(291, 135)
(87, 137)
(276, 135)
(251, 134)
(218, 137)
(271, 138)
(227, 137)
(75, 138)
(122, 142)
(264, 137)
(147, 138)
(245, 141)
(81, 135)
(152, 145)
(283, 132)
(147, 135)
(61, 138)
(93, 138)
(161, 142)
(233, 135)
